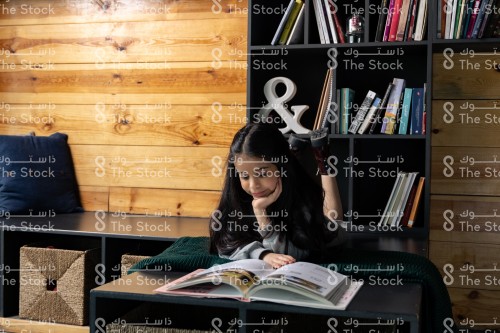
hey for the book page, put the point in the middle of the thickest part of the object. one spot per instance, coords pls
(314, 278)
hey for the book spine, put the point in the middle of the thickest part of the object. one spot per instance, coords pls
(283, 23)
(381, 20)
(408, 206)
(388, 21)
(486, 18)
(290, 23)
(395, 20)
(412, 21)
(473, 18)
(416, 202)
(421, 21)
(338, 26)
(405, 111)
(417, 110)
(405, 10)
(479, 19)
(297, 34)
(361, 114)
(381, 109)
(392, 107)
(463, 6)
(408, 20)
(467, 15)
(318, 21)
(347, 100)
(370, 116)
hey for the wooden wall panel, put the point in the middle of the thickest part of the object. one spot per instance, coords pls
(128, 124)
(475, 306)
(163, 202)
(465, 76)
(465, 123)
(465, 170)
(143, 85)
(26, 12)
(465, 219)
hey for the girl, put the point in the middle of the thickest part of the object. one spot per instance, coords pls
(270, 208)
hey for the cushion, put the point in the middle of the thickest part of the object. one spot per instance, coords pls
(37, 175)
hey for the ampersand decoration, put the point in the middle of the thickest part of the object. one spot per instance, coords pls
(276, 103)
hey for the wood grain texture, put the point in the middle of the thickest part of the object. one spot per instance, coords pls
(473, 123)
(465, 171)
(195, 168)
(480, 306)
(465, 219)
(467, 265)
(163, 202)
(16, 325)
(460, 76)
(128, 124)
(124, 43)
(29, 12)
(94, 198)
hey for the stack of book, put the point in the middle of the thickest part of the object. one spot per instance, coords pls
(402, 207)
(401, 20)
(329, 26)
(469, 19)
(400, 110)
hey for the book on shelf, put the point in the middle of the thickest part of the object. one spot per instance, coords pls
(388, 21)
(297, 33)
(398, 5)
(392, 109)
(370, 116)
(410, 23)
(416, 202)
(421, 21)
(403, 20)
(468, 19)
(377, 118)
(405, 111)
(326, 111)
(400, 199)
(362, 111)
(328, 23)
(383, 9)
(288, 23)
(299, 284)
(346, 109)
(417, 111)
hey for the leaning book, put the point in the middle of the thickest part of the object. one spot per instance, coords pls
(300, 284)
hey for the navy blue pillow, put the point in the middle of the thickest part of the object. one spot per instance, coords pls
(37, 175)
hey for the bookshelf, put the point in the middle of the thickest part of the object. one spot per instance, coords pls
(364, 179)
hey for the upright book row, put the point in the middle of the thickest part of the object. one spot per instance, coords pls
(401, 110)
(401, 20)
(468, 19)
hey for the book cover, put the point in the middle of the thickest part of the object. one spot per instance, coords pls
(388, 21)
(416, 202)
(377, 119)
(379, 34)
(403, 20)
(299, 284)
(282, 24)
(370, 116)
(346, 109)
(405, 111)
(421, 24)
(405, 193)
(395, 20)
(417, 111)
(297, 33)
(391, 112)
(363, 109)
(290, 22)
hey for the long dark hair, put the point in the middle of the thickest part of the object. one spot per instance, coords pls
(299, 209)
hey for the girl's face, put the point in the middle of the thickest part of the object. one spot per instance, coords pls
(258, 177)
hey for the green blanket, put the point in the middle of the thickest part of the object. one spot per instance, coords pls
(190, 253)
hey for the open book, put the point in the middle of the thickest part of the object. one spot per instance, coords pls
(300, 283)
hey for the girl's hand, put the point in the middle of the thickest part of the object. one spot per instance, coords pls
(278, 260)
(261, 204)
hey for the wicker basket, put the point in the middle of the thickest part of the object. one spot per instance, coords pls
(55, 283)
(129, 260)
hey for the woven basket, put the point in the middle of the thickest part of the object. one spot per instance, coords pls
(129, 260)
(55, 284)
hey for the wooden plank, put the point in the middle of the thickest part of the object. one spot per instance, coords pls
(171, 78)
(465, 171)
(128, 124)
(28, 12)
(467, 265)
(475, 306)
(465, 76)
(16, 325)
(163, 202)
(94, 198)
(465, 219)
(195, 168)
(473, 123)
(147, 44)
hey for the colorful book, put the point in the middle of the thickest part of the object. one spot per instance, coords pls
(395, 20)
(416, 202)
(297, 33)
(370, 116)
(347, 99)
(388, 21)
(405, 111)
(377, 119)
(282, 24)
(403, 20)
(290, 22)
(391, 112)
(379, 34)
(362, 111)
(417, 111)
